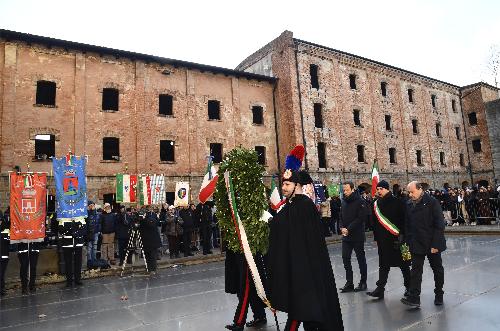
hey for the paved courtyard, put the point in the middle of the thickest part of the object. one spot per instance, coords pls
(193, 298)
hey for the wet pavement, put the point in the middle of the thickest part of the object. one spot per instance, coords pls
(193, 298)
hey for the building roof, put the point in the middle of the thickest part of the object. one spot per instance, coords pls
(375, 62)
(70, 45)
(483, 84)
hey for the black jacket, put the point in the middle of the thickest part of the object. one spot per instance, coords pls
(187, 218)
(108, 223)
(425, 225)
(205, 214)
(354, 213)
(149, 232)
(122, 225)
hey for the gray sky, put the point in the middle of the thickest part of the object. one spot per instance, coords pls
(444, 39)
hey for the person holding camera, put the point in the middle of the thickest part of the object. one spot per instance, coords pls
(123, 222)
(187, 216)
(174, 231)
(151, 240)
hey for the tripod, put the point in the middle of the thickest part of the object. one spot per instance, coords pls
(134, 243)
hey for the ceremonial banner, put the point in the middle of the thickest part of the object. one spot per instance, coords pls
(181, 194)
(28, 194)
(71, 187)
(158, 189)
(126, 186)
(144, 190)
(319, 192)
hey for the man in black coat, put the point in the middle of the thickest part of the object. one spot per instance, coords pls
(301, 279)
(122, 231)
(151, 240)
(354, 213)
(206, 218)
(425, 236)
(388, 232)
(187, 216)
(4, 248)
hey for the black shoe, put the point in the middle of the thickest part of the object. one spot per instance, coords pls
(32, 289)
(407, 292)
(257, 322)
(438, 300)
(206, 253)
(348, 287)
(377, 293)
(411, 301)
(78, 282)
(69, 284)
(361, 287)
(3, 292)
(235, 327)
(24, 290)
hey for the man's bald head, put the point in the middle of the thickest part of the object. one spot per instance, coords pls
(415, 190)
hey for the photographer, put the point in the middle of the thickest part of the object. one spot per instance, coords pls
(174, 231)
(123, 223)
(150, 237)
(186, 214)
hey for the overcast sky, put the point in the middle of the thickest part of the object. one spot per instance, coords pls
(446, 40)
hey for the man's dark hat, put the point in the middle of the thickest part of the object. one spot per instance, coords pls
(383, 184)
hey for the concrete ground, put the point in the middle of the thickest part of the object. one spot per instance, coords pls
(193, 298)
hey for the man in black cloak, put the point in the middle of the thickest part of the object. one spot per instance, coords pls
(301, 280)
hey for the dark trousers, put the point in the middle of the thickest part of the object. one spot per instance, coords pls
(73, 263)
(206, 233)
(326, 226)
(248, 296)
(3, 267)
(151, 255)
(417, 268)
(122, 249)
(216, 236)
(173, 245)
(359, 250)
(186, 241)
(293, 325)
(335, 225)
(383, 274)
(28, 258)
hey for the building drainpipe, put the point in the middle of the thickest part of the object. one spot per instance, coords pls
(300, 106)
(466, 140)
(276, 127)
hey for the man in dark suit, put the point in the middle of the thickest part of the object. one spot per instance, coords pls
(425, 236)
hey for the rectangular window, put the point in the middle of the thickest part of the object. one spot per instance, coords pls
(476, 145)
(213, 110)
(352, 81)
(433, 100)
(110, 99)
(438, 129)
(45, 93)
(419, 157)
(165, 103)
(111, 148)
(216, 152)
(454, 106)
(457, 133)
(383, 89)
(261, 154)
(361, 153)
(410, 95)
(442, 160)
(388, 124)
(356, 117)
(472, 118)
(414, 126)
(45, 146)
(462, 160)
(322, 155)
(313, 70)
(167, 150)
(258, 115)
(318, 115)
(392, 155)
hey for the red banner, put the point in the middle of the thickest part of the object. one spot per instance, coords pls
(28, 194)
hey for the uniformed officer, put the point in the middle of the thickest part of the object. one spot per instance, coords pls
(72, 233)
(27, 253)
(4, 248)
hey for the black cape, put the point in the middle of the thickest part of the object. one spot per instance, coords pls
(301, 280)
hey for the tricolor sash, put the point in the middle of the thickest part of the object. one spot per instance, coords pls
(384, 221)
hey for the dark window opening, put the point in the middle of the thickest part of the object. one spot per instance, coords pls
(438, 129)
(392, 155)
(313, 70)
(388, 124)
(454, 106)
(414, 126)
(167, 150)
(419, 157)
(170, 196)
(433, 100)
(383, 89)
(45, 146)
(476, 145)
(111, 148)
(110, 99)
(356, 116)
(322, 155)
(45, 93)
(318, 115)
(462, 160)
(213, 110)
(352, 81)
(216, 152)
(410, 95)
(166, 104)
(441, 158)
(457, 133)
(261, 154)
(361, 153)
(258, 115)
(472, 118)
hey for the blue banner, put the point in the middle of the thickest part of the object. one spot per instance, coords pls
(319, 191)
(71, 187)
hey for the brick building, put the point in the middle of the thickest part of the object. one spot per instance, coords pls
(128, 112)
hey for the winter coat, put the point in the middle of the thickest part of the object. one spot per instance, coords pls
(148, 228)
(354, 214)
(187, 218)
(123, 225)
(173, 224)
(108, 223)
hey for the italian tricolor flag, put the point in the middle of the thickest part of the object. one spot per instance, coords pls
(144, 190)
(126, 188)
(375, 177)
(275, 198)
(209, 183)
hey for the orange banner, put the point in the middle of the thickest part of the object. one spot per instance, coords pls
(28, 194)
